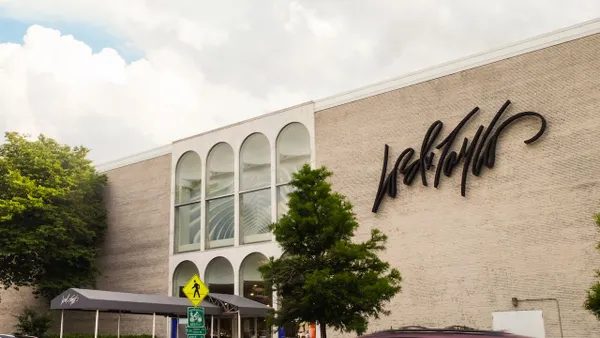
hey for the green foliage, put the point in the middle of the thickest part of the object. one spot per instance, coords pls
(323, 276)
(33, 323)
(52, 215)
(592, 302)
(91, 335)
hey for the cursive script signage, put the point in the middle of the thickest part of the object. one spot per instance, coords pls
(69, 299)
(476, 153)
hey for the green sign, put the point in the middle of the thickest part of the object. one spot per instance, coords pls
(195, 336)
(195, 331)
(195, 318)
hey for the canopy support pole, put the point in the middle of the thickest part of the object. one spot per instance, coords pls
(153, 325)
(96, 326)
(62, 321)
(212, 322)
(167, 326)
(255, 327)
(119, 326)
(239, 324)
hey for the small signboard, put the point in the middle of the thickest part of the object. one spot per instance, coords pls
(195, 317)
(195, 290)
(195, 331)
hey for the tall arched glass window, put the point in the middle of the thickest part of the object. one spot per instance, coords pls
(252, 286)
(293, 151)
(219, 276)
(219, 196)
(255, 189)
(183, 272)
(188, 188)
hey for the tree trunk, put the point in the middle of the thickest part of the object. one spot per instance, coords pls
(323, 329)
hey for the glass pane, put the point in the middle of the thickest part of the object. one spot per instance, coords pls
(219, 276)
(248, 328)
(293, 151)
(187, 227)
(188, 179)
(226, 325)
(252, 283)
(220, 222)
(255, 216)
(282, 200)
(255, 163)
(220, 171)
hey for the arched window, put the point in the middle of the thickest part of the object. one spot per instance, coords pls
(182, 274)
(255, 189)
(219, 197)
(219, 276)
(252, 286)
(188, 188)
(293, 151)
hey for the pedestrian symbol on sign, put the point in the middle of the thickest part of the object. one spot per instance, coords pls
(196, 289)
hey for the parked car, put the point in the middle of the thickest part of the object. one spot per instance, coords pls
(449, 332)
(15, 335)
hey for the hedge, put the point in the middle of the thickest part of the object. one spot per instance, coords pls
(88, 335)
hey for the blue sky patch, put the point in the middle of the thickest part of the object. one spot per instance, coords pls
(96, 37)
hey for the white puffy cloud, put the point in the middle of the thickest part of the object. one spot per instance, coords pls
(210, 63)
(54, 84)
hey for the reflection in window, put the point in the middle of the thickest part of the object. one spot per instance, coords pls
(293, 152)
(219, 196)
(220, 222)
(220, 171)
(255, 189)
(252, 283)
(219, 276)
(255, 215)
(188, 187)
(255, 163)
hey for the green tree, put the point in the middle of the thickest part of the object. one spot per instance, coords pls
(33, 323)
(592, 302)
(324, 276)
(52, 215)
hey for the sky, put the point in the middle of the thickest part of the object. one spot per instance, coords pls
(121, 77)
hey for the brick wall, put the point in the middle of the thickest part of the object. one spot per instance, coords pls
(12, 303)
(134, 257)
(524, 229)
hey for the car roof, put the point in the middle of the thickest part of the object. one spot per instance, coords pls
(452, 331)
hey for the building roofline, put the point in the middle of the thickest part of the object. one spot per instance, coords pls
(539, 42)
(245, 121)
(135, 158)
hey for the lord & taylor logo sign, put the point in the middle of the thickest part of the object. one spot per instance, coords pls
(474, 154)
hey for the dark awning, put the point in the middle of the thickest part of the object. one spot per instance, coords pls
(135, 303)
(232, 304)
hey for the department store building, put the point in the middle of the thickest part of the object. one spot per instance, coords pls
(488, 232)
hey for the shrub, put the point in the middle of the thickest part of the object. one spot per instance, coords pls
(33, 323)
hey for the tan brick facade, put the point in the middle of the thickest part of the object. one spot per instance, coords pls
(524, 229)
(134, 257)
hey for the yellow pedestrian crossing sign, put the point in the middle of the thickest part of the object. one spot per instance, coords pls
(195, 290)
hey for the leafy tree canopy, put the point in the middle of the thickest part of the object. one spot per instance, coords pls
(52, 215)
(324, 276)
(592, 302)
